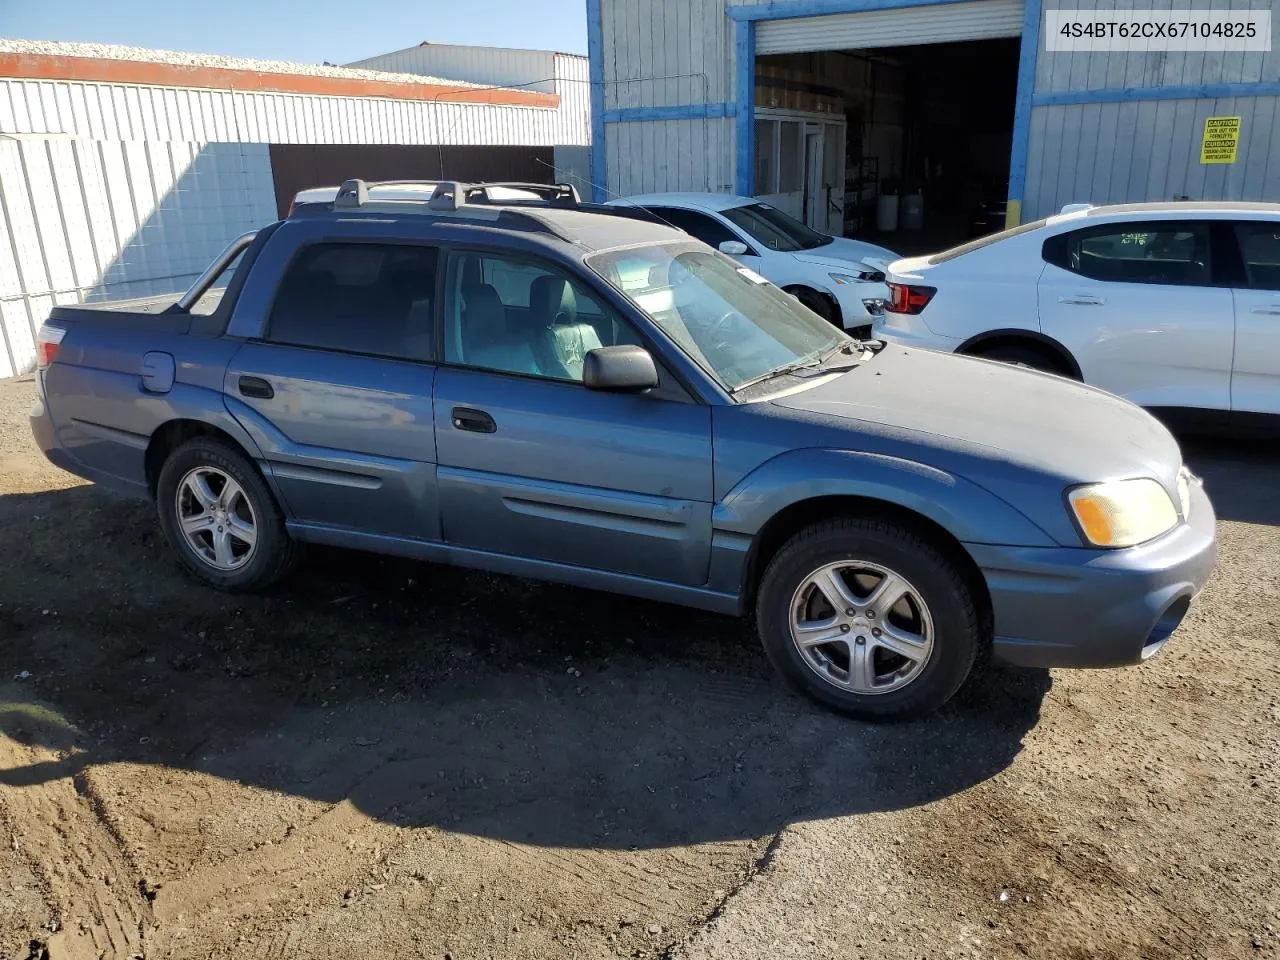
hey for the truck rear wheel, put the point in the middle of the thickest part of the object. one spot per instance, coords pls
(869, 618)
(221, 519)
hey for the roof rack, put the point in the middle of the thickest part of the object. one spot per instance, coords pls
(511, 203)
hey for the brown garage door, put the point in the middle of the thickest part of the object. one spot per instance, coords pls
(297, 167)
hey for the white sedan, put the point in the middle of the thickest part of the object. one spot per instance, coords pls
(1175, 306)
(839, 279)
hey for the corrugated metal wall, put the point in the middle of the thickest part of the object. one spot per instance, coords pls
(92, 219)
(1149, 149)
(103, 111)
(495, 66)
(661, 53)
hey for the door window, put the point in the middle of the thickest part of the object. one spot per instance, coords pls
(370, 298)
(1159, 252)
(1260, 247)
(705, 228)
(519, 316)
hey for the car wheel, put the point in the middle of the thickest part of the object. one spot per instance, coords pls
(1024, 355)
(221, 519)
(869, 618)
(819, 304)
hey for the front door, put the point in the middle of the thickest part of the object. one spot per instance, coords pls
(532, 463)
(1255, 377)
(1133, 303)
(337, 393)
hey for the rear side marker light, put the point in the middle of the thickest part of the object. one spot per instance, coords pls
(48, 342)
(904, 298)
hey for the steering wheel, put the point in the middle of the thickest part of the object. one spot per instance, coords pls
(725, 323)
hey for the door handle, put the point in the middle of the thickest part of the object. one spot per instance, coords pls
(1270, 311)
(1083, 300)
(474, 421)
(256, 387)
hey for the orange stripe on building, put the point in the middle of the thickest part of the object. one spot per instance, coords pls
(152, 73)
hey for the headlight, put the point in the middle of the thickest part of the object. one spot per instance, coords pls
(864, 276)
(1122, 513)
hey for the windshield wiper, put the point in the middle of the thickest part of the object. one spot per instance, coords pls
(807, 363)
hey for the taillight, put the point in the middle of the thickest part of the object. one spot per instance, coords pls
(904, 298)
(48, 340)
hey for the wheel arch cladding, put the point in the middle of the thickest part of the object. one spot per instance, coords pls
(803, 513)
(1013, 336)
(174, 433)
(802, 483)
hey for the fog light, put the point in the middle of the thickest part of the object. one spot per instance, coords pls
(875, 306)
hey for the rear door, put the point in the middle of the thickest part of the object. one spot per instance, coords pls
(336, 381)
(1255, 376)
(1136, 305)
(535, 465)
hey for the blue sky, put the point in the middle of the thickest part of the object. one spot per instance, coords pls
(310, 31)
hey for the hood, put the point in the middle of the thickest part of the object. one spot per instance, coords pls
(998, 425)
(841, 251)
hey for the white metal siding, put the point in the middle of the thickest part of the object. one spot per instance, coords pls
(496, 66)
(976, 20)
(669, 155)
(135, 112)
(665, 52)
(1063, 70)
(96, 220)
(1148, 150)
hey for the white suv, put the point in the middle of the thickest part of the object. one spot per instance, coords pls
(839, 279)
(1175, 306)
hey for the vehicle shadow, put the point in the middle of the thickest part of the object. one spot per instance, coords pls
(1239, 475)
(426, 695)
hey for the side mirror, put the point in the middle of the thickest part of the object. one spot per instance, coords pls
(624, 369)
(733, 248)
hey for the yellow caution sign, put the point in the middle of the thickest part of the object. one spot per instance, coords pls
(1221, 138)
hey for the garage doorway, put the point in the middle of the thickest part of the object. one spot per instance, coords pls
(923, 99)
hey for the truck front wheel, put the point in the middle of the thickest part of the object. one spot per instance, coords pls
(869, 618)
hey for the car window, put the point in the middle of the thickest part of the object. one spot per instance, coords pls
(728, 319)
(516, 315)
(773, 228)
(1154, 252)
(698, 225)
(1260, 246)
(368, 298)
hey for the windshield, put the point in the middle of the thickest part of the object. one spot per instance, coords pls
(774, 229)
(731, 321)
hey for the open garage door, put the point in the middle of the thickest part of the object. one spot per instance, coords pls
(944, 23)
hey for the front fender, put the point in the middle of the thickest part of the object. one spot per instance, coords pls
(967, 511)
(970, 513)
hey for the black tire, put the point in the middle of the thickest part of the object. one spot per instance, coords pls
(958, 635)
(1026, 355)
(274, 553)
(819, 303)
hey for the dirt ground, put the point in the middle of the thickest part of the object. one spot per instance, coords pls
(403, 760)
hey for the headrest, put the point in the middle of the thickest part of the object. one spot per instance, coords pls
(551, 299)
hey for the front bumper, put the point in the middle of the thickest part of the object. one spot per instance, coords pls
(1069, 607)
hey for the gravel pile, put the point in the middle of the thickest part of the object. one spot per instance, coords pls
(111, 51)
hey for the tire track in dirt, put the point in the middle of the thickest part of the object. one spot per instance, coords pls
(90, 888)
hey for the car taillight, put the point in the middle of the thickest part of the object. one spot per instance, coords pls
(904, 298)
(48, 340)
